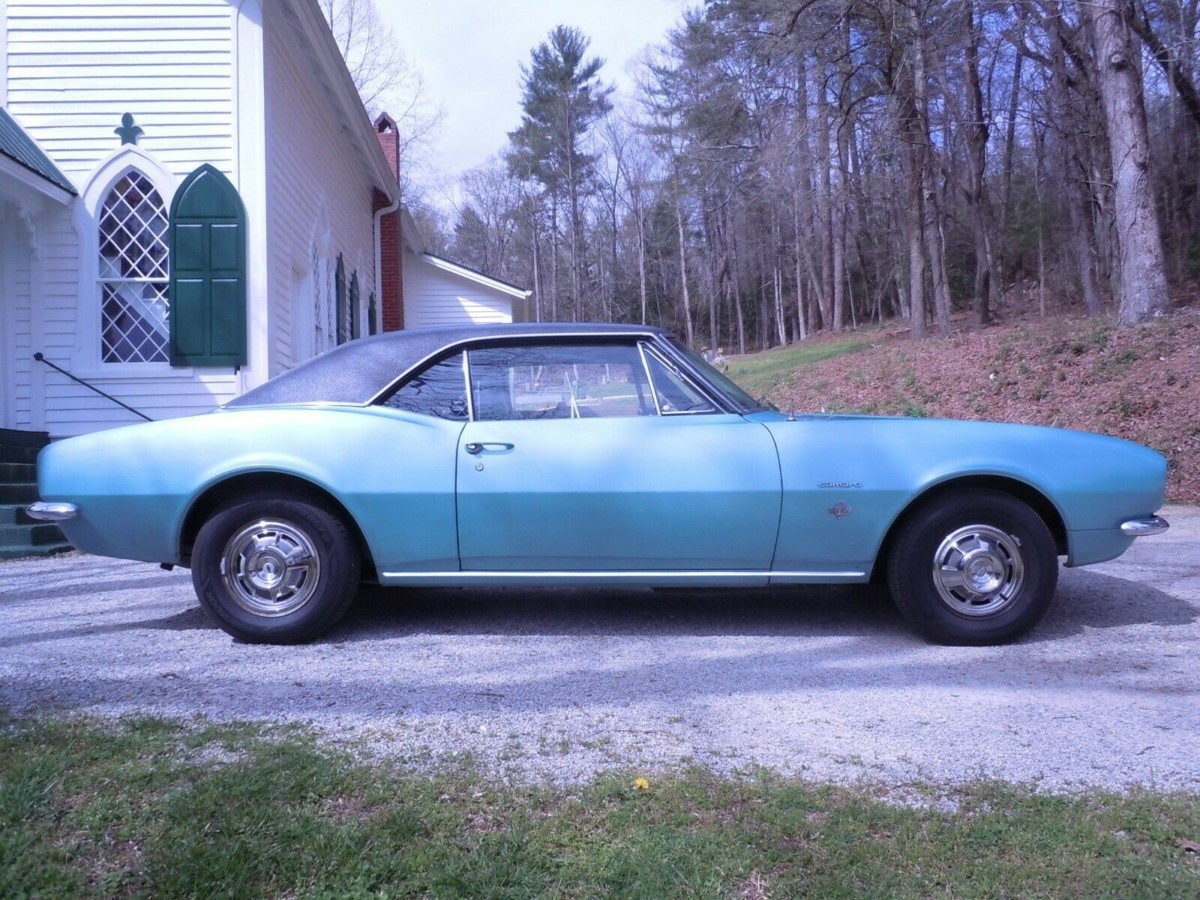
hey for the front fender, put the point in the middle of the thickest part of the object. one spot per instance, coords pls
(848, 479)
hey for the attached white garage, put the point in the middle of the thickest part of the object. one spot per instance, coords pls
(440, 292)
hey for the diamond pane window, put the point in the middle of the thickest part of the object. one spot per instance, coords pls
(134, 306)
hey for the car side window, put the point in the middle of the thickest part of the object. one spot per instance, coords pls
(553, 381)
(675, 394)
(438, 390)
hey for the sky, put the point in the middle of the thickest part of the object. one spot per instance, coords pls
(470, 54)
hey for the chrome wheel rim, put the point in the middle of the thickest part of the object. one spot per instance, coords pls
(978, 570)
(271, 568)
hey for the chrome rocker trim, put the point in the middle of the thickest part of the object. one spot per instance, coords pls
(1143, 527)
(52, 512)
(604, 576)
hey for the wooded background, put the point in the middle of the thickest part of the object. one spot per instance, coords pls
(787, 168)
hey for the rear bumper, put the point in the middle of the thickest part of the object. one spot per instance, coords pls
(52, 512)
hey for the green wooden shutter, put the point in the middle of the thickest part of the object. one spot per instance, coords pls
(339, 294)
(208, 272)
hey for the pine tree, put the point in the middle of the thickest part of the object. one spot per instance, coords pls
(562, 98)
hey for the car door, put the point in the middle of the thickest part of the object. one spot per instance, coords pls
(576, 459)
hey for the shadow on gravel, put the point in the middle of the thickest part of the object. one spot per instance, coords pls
(582, 612)
(1090, 600)
(188, 620)
(97, 587)
(1084, 600)
(410, 653)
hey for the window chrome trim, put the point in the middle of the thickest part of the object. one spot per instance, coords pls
(466, 371)
(641, 349)
(718, 403)
(517, 337)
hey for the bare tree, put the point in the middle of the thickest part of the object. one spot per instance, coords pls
(385, 78)
(808, 165)
(1143, 272)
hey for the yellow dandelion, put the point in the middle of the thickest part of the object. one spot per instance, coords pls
(641, 784)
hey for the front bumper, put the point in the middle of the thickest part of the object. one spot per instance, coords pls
(52, 512)
(1144, 526)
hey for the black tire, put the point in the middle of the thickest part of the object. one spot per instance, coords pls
(272, 570)
(977, 568)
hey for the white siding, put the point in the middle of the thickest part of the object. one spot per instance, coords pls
(72, 409)
(313, 179)
(73, 69)
(435, 297)
(187, 71)
(15, 292)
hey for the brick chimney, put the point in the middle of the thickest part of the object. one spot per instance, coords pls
(391, 244)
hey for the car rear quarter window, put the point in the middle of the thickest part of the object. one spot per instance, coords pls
(438, 390)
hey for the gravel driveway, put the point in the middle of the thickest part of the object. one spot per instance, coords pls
(827, 684)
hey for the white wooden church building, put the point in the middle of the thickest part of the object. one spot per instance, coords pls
(192, 200)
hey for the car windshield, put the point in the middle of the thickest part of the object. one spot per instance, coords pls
(720, 379)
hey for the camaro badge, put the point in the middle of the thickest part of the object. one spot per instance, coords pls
(840, 510)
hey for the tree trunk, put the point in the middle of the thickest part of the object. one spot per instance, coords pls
(916, 267)
(824, 162)
(931, 216)
(977, 133)
(683, 277)
(1143, 272)
(1072, 129)
(641, 236)
(554, 286)
(801, 312)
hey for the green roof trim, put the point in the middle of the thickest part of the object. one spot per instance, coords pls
(21, 149)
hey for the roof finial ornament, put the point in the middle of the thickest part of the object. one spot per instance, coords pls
(128, 132)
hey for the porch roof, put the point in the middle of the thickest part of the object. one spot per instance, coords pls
(19, 147)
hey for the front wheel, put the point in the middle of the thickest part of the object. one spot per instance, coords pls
(275, 570)
(980, 568)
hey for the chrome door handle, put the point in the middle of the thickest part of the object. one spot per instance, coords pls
(475, 448)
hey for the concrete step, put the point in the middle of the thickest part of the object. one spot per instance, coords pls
(18, 473)
(14, 514)
(26, 552)
(21, 536)
(14, 438)
(33, 535)
(21, 446)
(23, 455)
(18, 494)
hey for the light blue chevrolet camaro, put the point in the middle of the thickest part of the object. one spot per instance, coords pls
(588, 454)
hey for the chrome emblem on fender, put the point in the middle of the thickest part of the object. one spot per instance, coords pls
(840, 510)
(839, 484)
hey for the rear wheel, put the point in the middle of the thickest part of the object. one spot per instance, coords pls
(979, 568)
(275, 570)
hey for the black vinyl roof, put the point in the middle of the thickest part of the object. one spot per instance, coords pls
(359, 371)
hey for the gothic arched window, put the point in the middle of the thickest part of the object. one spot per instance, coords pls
(134, 306)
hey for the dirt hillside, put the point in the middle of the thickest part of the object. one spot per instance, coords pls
(1140, 383)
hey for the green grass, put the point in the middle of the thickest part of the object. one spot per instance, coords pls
(147, 808)
(760, 373)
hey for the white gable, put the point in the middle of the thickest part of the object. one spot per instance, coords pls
(438, 292)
